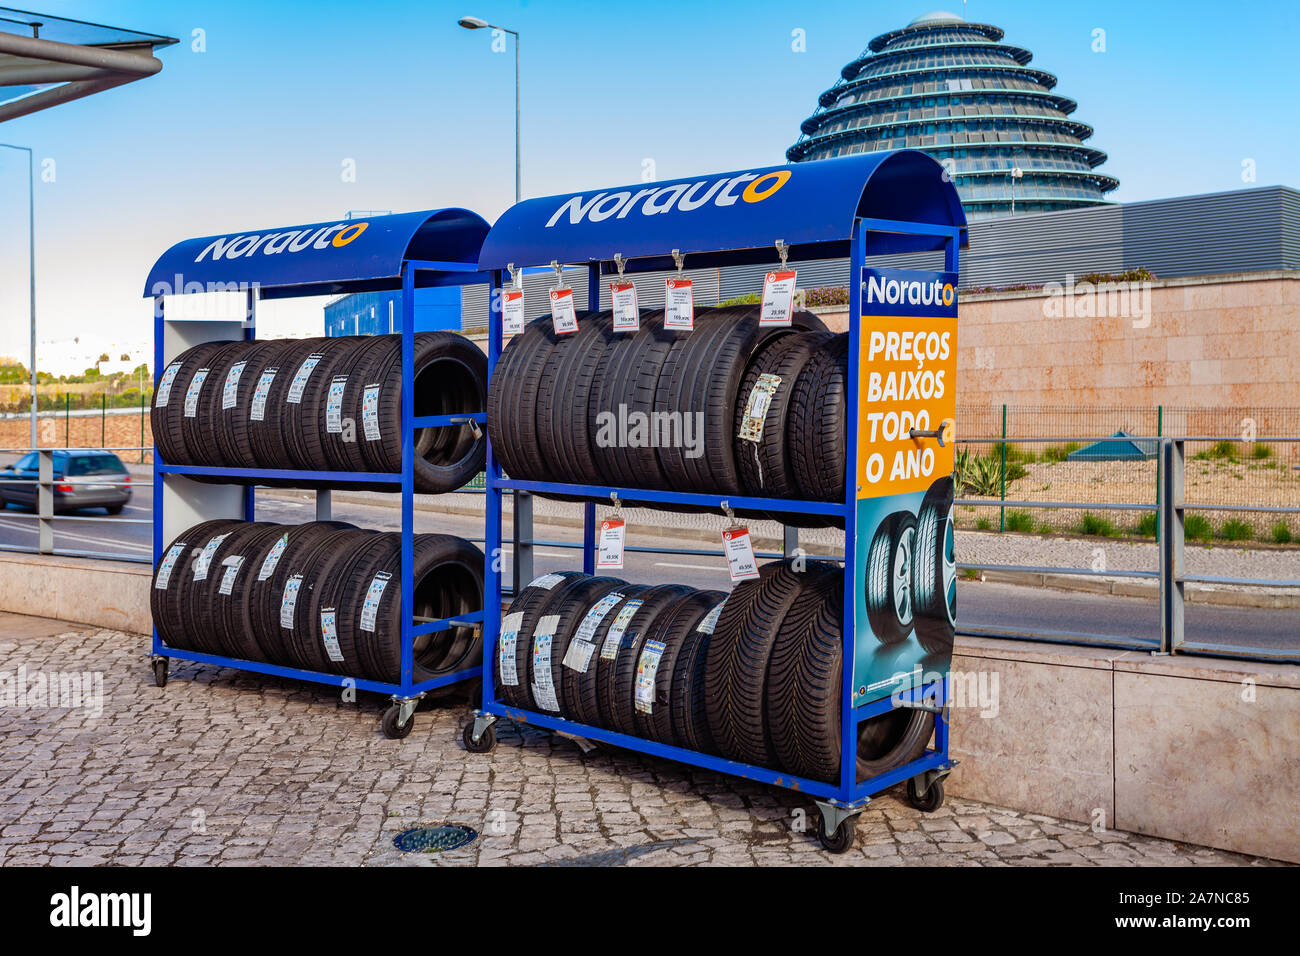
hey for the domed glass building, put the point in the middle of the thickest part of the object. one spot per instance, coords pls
(956, 91)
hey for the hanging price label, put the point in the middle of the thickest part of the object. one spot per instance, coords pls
(563, 313)
(679, 305)
(612, 531)
(741, 563)
(778, 298)
(512, 311)
(622, 297)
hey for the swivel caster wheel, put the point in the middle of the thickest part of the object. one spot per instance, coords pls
(929, 801)
(487, 740)
(841, 841)
(160, 670)
(392, 729)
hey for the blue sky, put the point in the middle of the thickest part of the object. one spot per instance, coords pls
(254, 131)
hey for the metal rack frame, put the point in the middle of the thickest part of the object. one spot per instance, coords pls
(840, 801)
(407, 692)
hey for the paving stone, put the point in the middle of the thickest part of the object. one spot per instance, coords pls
(237, 769)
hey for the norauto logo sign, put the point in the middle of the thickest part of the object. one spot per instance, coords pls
(682, 197)
(273, 243)
(890, 291)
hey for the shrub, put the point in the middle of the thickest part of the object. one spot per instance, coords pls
(1018, 520)
(1197, 528)
(1096, 526)
(1236, 530)
(983, 524)
(1147, 524)
(1281, 533)
(1260, 450)
(749, 298)
(1060, 452)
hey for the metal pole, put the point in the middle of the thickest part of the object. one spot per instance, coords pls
(31, 270)
(518, 194)
(1002, 509)
(1173, 569)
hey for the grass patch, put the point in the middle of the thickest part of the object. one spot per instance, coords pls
(1221, 450)
(1146, 526)
(1018, 520)
(1236, 530)
(1060, 452)
(1260, 450)
(1281, 533)
(1197, 528)
(1091, 524)
(983, 524)
(970, 574)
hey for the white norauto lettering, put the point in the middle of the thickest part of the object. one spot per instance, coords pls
(656, 200)
(273, 243)
(912, 291)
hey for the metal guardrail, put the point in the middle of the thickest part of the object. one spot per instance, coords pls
(46, 519)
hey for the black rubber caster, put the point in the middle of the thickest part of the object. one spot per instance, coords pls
(843, 838)
(160, 670)
(486, 742)
(392, 729)
(927, 802)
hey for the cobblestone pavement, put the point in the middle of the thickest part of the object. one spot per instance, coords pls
(230, 768)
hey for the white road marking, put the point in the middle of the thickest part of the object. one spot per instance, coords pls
(73, 536)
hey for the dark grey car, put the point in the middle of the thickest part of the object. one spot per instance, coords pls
(82, 479)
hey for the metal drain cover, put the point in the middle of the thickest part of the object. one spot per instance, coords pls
(435, 839)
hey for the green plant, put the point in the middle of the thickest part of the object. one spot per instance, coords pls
(971, 574)
(1018, 520)
(1091, 524)
(1060, 452)
(1281, 533)
(983, 524)
(749, 298)
(1236, 530)
(1261, 450)
(1146, 526)
(1197, 528)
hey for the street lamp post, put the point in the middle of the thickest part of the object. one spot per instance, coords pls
(31, 268)
(1016, 173)
(478, 23)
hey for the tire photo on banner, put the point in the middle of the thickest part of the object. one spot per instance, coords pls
(906, 574)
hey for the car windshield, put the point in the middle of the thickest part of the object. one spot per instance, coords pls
(94, 465)
(26, 463)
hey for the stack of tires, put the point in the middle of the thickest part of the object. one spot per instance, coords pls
(323, 404)
(754, 675)
(663, 409)
(322, 596)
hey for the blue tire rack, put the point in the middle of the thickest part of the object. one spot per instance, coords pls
(877, 203)
(385, 253)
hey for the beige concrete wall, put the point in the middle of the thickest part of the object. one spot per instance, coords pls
(1211, 341)
(1184, 748)
(111, 594)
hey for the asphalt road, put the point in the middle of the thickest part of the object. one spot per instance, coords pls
(983, 607)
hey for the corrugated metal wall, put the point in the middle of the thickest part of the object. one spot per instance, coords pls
(1245, 230)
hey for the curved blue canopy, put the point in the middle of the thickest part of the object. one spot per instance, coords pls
(322, 258)
(811, 206)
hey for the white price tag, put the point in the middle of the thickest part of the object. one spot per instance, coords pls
(622, 297)
(232, 565)
(329, 632)
(563, 312)
(370, 412)
(168, 562)
(289, 600)
(778, 299)
(272, 558)
(760, 400)
(609, 650)
(610, 555)
(257, 410)
(741, 563)
(299, 383)
(646, 668)
(334, 405)
(543, 685)
(507, 671)
(679, 305)
(370, 606)
(230, 389)
(165, 385)
(192, 393)
(512, 311)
